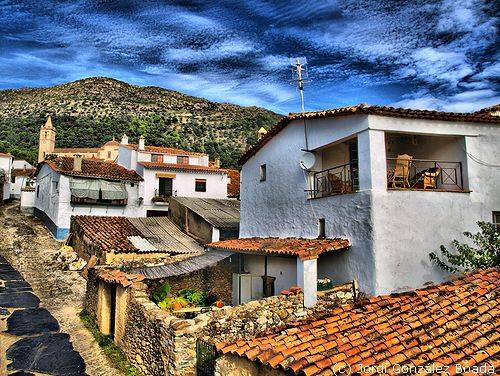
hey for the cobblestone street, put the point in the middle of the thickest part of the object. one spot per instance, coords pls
(29, 248)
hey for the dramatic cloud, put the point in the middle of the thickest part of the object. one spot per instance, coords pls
(422, 54)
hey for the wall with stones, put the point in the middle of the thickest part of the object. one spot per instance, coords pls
(91, 292)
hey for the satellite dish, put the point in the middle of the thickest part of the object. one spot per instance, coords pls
(307, 160)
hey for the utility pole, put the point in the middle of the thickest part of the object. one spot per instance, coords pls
(299, 74)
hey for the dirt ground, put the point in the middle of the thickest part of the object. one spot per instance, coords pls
(28, 247)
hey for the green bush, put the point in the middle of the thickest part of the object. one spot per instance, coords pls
(485, 254)
(161, 293)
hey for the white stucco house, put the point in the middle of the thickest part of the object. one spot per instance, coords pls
(396, 183)
(69, 186)
(171, 172)
(5, 176)
(20, 177)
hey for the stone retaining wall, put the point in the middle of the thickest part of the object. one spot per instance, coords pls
(158, 343)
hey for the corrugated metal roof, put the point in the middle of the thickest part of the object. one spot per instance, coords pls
(164, 235)
(220, 213)
(183, 267)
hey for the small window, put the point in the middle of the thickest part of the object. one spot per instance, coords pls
(109, 155)
(12, 178)
(263, 172)
(158, 158)
(200, 185)
(37, 191)
(181, 159)
(496, 219)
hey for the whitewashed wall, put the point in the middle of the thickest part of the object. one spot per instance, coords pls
(45, 200)
(15, 188)
(283, 268)
(391, 233)
(183, 184)
(6, 165)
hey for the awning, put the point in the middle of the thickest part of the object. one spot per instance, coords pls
(90, 188)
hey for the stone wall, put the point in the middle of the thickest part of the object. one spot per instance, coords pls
(231, 365)
(159, 343)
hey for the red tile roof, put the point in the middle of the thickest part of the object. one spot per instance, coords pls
(5, 155)
(303, 248)
(76, 150)
(91, 168)
(455, 323)
(107, 233)
(165, 150)
(182, 167)
(122, 278)
(233, 188)
(364, 109)
(22, 171)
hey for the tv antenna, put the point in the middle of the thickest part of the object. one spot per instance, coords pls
(300, 75)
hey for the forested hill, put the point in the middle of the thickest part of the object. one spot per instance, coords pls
(89, 112)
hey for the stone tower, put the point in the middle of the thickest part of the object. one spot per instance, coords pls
(47, 141)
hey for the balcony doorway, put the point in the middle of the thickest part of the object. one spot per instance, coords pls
(165, 187)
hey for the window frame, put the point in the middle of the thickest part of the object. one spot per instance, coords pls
(157, 158)
(200, 181)
(496, 219)
(183, 159)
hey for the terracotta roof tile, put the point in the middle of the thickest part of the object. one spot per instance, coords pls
(182, 167)
(466, 334)
(303, 248)
(364, 109)
(91, 168)
(23, 171)
(5, 155)
(122, 278)
(76, 150)
(165, 150)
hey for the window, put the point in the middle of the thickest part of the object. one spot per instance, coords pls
(12, 178)
(37, 191)
(200, 185)
(55, 185)
(109, 155)
(181, 159)
(263, 172)
(496, 219)
(158, 158)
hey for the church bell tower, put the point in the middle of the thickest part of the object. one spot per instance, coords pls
(47, 141)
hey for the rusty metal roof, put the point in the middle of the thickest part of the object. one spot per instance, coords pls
(220, 213)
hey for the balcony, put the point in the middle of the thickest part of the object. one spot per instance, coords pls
(407, 173)
(163, 198)
(334, 181)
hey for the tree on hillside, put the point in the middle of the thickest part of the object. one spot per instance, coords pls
(484, 253)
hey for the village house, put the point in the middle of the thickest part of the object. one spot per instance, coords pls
(5, 176)
(20, 177)
(444, 329)
(169, 172)
(392, 183)
(47, 142)
(68, 186)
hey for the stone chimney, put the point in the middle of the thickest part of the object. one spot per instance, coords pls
(217, 162)
(124, 139)
(142, 143)
(77, 163)
(261, 133)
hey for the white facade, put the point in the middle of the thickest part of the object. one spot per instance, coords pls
(6, 166)
(391, 231)
(18, 183)
(183, 177)
(53, 202)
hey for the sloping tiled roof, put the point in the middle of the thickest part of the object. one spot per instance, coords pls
(76, 150)
(116, 234)
(122, 278)
(444, 325)
(220, 213)
(5, 155)
(303, 248)
(22, 171)
(92, 168)
(164, 150)
(233, 188)
(108, 233)
(182, 167)
(364, 109)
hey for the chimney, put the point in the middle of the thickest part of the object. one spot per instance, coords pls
(261, 133)
(77, 163)
(142, 143)
(217, 162)
(124, 139)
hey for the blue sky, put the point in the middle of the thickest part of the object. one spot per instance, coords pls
(420, 54)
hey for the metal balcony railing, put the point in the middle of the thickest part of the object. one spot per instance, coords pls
(335, 181)
(424, 174)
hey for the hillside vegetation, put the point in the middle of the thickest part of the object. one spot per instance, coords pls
(89, 112)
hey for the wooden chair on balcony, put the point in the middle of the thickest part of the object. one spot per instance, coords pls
(337, 186)
(430, 177)
(401, 174)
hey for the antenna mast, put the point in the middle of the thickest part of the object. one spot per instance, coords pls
(299, 74)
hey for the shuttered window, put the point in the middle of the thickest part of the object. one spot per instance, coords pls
(200, 185)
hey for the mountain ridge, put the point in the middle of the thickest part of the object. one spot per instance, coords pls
(91, 111)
